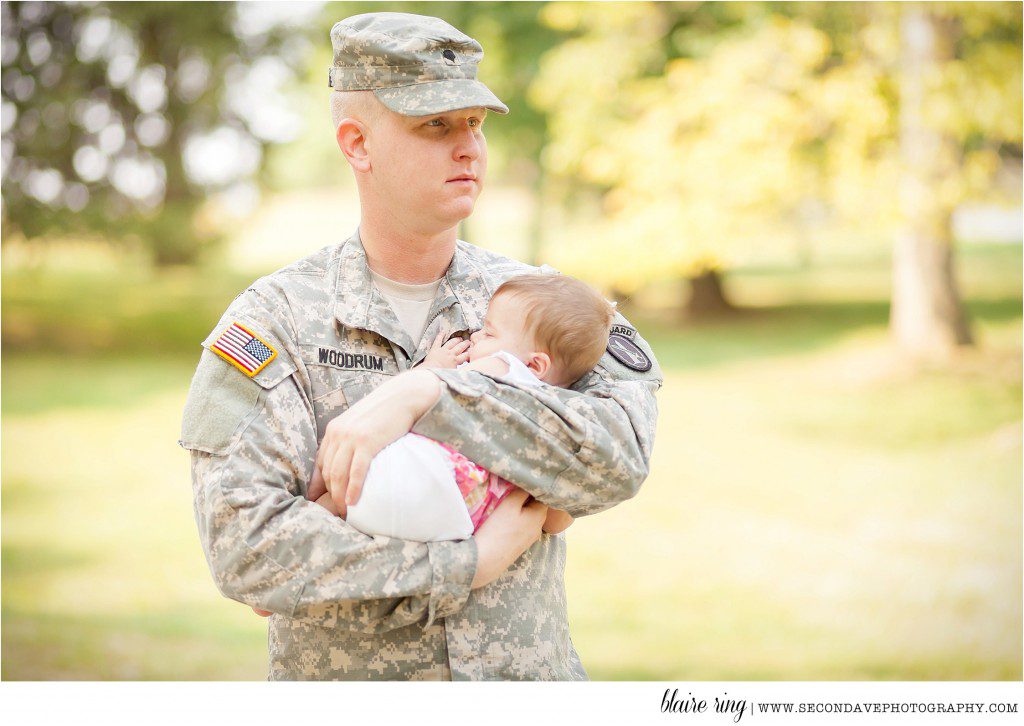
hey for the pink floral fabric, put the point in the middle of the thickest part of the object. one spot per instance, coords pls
(481, 490)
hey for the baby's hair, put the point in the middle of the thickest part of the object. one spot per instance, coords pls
(566, 318)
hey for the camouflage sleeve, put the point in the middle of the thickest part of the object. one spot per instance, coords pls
(253, 444)
(583, 449)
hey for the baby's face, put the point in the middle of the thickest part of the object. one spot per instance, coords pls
(504, 329)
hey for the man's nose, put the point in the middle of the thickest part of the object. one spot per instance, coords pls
(469, 144)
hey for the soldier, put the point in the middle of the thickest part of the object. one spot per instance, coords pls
(302, 345)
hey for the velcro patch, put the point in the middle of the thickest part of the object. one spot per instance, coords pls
(243, 349)
(628, 353)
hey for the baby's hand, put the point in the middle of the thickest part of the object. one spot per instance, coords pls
(448, 355)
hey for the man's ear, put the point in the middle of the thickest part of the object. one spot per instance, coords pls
(540, 363)
(351, 137)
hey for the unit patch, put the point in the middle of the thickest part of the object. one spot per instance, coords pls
(350, 361)
(628, 353)
(623, 330)
(243, 349)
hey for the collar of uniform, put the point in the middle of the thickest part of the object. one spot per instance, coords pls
(358, 303)
(461, 300)
(460, 279)
(468, 286)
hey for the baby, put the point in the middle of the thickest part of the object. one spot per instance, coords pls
(539, 330)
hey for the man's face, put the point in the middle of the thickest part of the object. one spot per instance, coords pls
(504, 329)
(429, 169)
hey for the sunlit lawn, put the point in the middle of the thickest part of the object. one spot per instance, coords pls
(818, 516)
(816, 510)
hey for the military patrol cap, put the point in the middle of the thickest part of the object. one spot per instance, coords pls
(416, 65)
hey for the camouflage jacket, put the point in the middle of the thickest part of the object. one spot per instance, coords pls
(351, 606)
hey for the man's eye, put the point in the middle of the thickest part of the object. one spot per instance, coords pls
(474, 122)
(435, 122)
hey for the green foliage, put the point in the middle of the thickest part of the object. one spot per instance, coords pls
(699, 133)
(100, 104)
(711, 133)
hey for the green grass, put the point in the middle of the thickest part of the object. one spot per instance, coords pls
(129, 311)
(818, 508)
(780, 330)
(34, 384)
(810, 518)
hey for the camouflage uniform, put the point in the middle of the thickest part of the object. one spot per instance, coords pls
(351, 606)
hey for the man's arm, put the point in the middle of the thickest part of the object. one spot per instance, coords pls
(582, 451)
(268, 547)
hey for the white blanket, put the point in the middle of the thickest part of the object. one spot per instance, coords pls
(410, 490)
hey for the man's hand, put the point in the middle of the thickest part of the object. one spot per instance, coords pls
(317, 485)
(557, 521)
(318, 494)
(513, 527)
(352, 439)
(448, 355)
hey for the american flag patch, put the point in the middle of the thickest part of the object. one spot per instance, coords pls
(243, 349)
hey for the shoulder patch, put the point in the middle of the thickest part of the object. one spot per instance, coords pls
(628, 353)
(243, 349)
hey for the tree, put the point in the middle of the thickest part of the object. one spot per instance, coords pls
(960, 118)
(927, 315)
(716, 130)
(121, 120)
(699, 138)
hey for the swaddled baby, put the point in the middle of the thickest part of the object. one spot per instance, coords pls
(539, 330)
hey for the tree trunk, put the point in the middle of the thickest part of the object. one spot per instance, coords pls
(707, 296)
(927, 317)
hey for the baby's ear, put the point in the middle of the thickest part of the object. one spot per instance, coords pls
(540, 363)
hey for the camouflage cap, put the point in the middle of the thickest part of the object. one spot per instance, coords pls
(415, 65)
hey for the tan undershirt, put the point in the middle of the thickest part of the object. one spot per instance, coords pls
(411, 303)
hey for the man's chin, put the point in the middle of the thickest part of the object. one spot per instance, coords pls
(459, 210)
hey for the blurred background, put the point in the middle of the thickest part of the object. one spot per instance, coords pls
(812, 211)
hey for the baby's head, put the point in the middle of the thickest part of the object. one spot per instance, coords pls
(555, 324)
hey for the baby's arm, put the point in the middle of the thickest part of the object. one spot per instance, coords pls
(448, 355)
